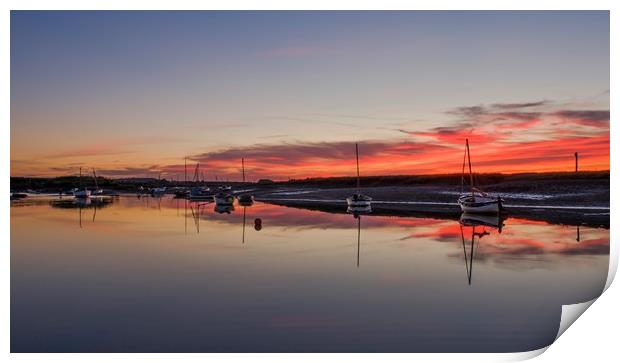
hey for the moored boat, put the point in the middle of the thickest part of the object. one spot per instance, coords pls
(200, 193)
(15, 196)
(476, 201)
(245, 199)
(181, 193)
(222, 198)
(358, 200)
(156, 192)
(81, 193)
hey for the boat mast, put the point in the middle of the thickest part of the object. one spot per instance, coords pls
(80, 176)
(359, 220)
(95, 176)
(185, 170)
(471, 176)
(196, 173)
(463, 171)
(357, 159)
(243, 170)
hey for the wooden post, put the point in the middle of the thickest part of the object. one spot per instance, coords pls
(576, 162)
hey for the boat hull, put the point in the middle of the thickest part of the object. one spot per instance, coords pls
(245, 200)
(223, 199)
(489, 220)
(478, 204)
(81, 193)
(359, 210)
(359, 201)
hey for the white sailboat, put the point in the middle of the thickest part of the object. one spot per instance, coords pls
(198, 192)
(81, 193)
(476, 201)
(97, 191)
(358, 200)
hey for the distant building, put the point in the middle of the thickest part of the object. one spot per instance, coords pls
(265, 181)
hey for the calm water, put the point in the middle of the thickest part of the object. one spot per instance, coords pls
(149, 275)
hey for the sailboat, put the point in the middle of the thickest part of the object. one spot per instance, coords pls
(97, 191)
(81, 193)
(182, 192)
(358, 200)
(158, 191)
(476, 201)
(244, 199)
(198, 192)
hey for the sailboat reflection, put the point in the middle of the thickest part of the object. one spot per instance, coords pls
(243, 228)
(480, 225)
(359, 223)
(357, 212)
(472, 219)
(224, 208)
(245, 203)
(82, 203)
(196, 215)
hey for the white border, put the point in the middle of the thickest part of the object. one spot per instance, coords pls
(596, 336)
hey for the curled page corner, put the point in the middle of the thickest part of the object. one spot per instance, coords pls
(570, 313)
(613, 264)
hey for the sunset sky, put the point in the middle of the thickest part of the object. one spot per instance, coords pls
(133, 93)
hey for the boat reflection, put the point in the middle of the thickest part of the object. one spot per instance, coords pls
(196, 213)
(489, 220)
(359, 223)
(480, 226)
(224, 208)
(82, 203)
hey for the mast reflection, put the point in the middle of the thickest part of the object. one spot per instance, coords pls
(480, 226)
(357, 214)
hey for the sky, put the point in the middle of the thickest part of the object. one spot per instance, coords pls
(132, 94)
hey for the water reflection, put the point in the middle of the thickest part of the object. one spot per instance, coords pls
(143, 283)
(93, 203)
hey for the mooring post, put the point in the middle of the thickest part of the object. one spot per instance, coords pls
(576, 162)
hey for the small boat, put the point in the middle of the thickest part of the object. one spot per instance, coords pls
(200, 193)
(181, 193)
(15, 196)
(85, 193)
(81, 193)
(225, 188)
(245, 199)
(97, 191)
(476, 201)
(358, 200)
(156, 192)
(223, 198)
